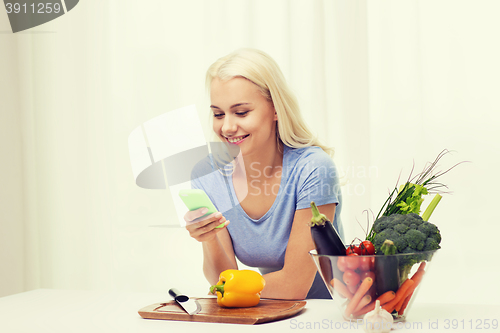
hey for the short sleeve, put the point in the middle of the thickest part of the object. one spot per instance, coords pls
(318, 181)
(200, 170)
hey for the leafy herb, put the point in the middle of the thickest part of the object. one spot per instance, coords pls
(408, 198)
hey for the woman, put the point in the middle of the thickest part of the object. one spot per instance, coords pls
(281, 168)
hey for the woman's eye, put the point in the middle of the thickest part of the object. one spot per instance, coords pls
(218, 115)
(242, 113)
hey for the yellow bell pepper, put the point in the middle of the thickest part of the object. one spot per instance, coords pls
(238, 288)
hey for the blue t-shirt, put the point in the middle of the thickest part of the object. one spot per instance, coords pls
(308, 174)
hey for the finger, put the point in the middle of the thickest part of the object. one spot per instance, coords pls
(194, 214)
(198, 230)
(210, 234)
(204, 220)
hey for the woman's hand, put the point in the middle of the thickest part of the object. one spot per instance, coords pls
(204, 230)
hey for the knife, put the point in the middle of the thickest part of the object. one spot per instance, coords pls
(191, 306)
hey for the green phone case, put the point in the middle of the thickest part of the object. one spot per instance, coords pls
(195, 199)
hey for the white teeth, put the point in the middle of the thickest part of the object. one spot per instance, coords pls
(232, 140)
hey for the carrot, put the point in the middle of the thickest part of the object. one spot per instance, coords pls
(401, 301)
(405, 304)
(400, 293)
(386, 297)
(363, 288)
(365, 300)
(422, 266)
(417, 277)
(341, 288)
(365, 309)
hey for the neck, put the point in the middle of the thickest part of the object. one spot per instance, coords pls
(261, 165)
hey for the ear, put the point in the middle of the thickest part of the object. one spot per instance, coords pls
(275, 116)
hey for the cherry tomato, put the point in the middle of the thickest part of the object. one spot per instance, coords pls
(366, 248)
(365, 263)
(366, 274)
(351, 278)
(352, 261)
(353, 289)
(342, 264)
(353, 249)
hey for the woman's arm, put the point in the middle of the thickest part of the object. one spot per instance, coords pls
(297, 275)
(218, 253)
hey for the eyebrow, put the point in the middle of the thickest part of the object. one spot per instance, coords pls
(231, 107)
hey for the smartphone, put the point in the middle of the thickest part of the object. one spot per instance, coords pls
(195, 199)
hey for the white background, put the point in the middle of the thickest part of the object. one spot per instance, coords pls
(387, 83)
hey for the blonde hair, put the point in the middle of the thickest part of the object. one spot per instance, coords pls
(259, 68)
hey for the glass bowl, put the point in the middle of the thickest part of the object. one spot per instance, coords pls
(346, 278)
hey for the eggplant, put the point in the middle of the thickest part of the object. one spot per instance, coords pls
(387, 269)
(326, 239)
(327, 242)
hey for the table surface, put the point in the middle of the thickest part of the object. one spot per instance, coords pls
(47, 310)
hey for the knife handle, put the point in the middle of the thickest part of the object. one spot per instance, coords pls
(177, 295)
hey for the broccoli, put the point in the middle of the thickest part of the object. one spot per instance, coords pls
(410, 234)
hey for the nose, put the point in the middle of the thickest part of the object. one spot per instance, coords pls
(229, 127)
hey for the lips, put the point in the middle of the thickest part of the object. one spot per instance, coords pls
(237, 139)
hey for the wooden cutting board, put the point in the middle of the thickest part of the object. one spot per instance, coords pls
(267, 310)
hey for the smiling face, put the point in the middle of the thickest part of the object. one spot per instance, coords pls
(242, 115)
